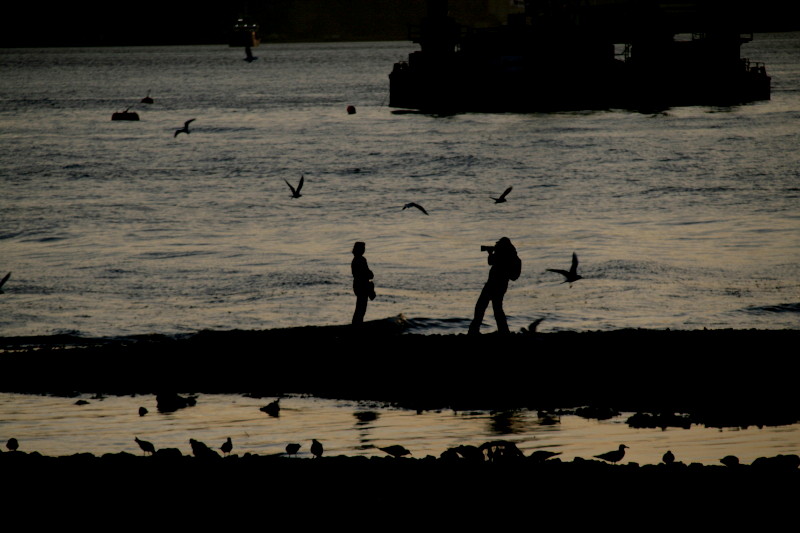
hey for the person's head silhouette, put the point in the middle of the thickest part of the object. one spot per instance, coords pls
(359, 248)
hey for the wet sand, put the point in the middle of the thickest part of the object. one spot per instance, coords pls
(718, 378)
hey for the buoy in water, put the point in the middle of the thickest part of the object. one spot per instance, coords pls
(125, 115)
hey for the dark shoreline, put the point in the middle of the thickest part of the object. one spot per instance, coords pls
(715, 377)
(355, 489)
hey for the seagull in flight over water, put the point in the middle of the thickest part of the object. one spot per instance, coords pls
(502, 196)
(3, 281)
(185, 128)
(412, 204)
(296, 192)
(572, 275)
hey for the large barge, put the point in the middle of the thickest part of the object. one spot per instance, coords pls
(578, 54)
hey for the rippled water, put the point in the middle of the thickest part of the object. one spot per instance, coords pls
(57, 426)
(683, 219)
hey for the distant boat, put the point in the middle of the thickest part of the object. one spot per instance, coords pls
(566, 57)
(125, 115)
(147, 99)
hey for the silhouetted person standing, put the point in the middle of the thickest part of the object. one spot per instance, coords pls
(506, 266)
(362, 282)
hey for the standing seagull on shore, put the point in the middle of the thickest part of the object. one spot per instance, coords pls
(227, 446)
(292, 448)
(12, 444)
(316, 448)
(395, 450)
(272, 408)
(412, 204)
(3, 281)
(668, 457)
(572, 274)
(502, 196)
(147, 447)
(613, 456)
(296, 192)
(185, 128)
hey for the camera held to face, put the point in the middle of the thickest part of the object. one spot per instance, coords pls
(489, 249)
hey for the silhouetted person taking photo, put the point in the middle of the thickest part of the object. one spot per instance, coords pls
(362, 282)
(506, 266)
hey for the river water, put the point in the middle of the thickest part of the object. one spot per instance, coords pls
(684, 219)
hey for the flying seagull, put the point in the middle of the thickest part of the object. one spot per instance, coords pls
(3, 281)
(185, 128)
(502, 196)
(296, 192)
(613, 456)
(572, 275)
(412, 204)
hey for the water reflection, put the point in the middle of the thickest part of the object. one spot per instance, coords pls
(57, 426)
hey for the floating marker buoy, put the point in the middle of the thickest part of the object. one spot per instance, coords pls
(351, 110)
(125, 115)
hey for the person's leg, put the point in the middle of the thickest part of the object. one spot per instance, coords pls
(480, 310)
(361, 308)
(499, 314)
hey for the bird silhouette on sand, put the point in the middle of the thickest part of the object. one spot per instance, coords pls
(292, 448)
(227, 446)
(147, 447)
(272, 408)
(185, 128)
(316, 448)
(201, 450)
(668, 457)
(541, 456)
(12, 444)
(613, 456)
(296, 192)
(412, 204)
(502, 196)
(730, 461)
(395, 450)
(3, 281)
(532, 327)
(572, 274)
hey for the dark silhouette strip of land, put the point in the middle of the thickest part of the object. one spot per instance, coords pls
(716, 377)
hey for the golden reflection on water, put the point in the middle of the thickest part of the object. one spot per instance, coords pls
(57, 426)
